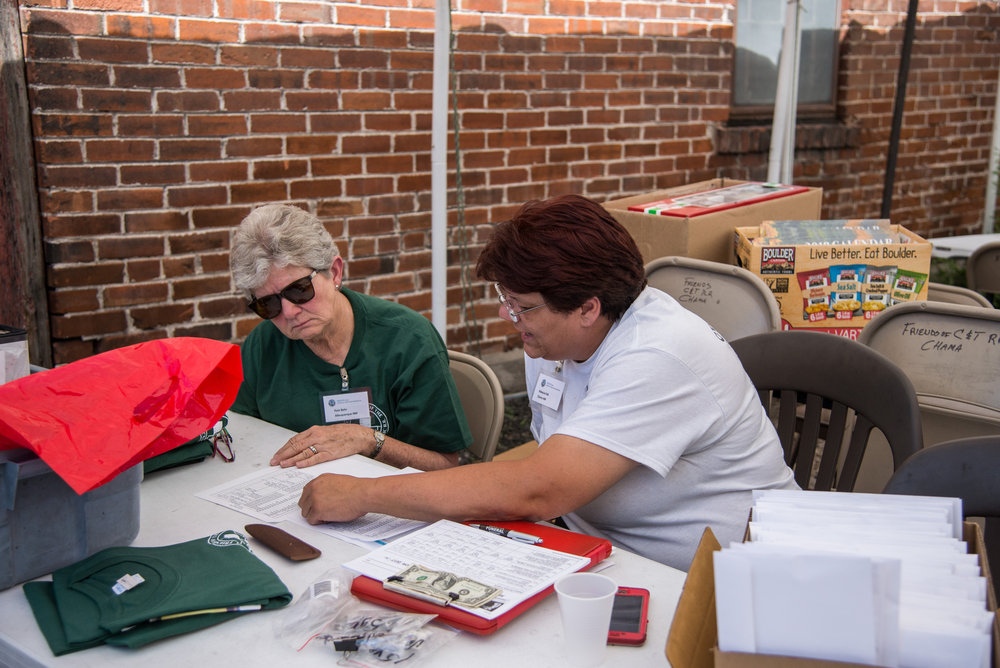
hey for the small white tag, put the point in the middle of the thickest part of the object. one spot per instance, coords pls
(127, 582)
(347, 407)
(548, 391)
(321, 588)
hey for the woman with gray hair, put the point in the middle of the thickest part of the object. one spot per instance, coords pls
(353, 374)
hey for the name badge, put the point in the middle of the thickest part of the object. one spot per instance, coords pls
(548, 391)
(347, 407)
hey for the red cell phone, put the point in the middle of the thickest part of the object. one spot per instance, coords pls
(629, 617)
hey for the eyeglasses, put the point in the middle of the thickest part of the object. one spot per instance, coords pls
(222, 442)
(296, 292)
(514, 315)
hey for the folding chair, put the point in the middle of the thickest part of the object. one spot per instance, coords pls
(827, 394)
(982, 269)
(481, 395)
(955, 294)
(951, 354)
(731, 299)
(965, 468)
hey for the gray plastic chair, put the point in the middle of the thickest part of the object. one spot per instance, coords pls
(982, 269)
(951, 354)
(733, 300)
(955, 294)
(966, 468)
(481, 395)
(826, 392)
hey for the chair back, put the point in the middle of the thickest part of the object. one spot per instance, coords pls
(955, 294)
(951, 354)
(734, 301)
(826, 394)
(982, 269)
(965, 468)
(481, 395)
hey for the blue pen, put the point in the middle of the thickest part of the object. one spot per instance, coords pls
(509, 533)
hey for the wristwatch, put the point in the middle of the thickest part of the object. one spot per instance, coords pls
(379, 442)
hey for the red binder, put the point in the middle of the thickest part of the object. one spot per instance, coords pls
(597, 549)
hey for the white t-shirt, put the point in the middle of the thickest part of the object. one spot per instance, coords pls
(665, 390)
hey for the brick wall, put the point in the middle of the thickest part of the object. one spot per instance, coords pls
(159, 123)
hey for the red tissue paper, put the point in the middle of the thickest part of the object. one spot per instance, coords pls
(94, 418)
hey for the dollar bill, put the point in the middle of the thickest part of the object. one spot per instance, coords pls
(446, 586)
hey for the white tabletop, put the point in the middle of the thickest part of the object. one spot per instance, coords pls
(170, 513)
(961, 245)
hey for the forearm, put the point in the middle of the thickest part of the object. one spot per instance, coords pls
(402, 455)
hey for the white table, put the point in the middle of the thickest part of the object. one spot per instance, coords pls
(170, 513)
(960, 246)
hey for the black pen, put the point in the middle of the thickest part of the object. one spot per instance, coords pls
(509, 533)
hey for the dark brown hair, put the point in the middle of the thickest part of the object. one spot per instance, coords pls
(569, 249)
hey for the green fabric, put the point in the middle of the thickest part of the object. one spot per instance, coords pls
(395, 351)
(79, 609)
(185, 453)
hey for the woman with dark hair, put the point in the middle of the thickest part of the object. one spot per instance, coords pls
(353, 374)
(649, 428)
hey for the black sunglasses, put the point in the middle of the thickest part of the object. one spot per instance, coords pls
(296, 292)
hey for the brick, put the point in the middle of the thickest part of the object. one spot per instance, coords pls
(112, 50)
(64, 352)
(159, 125)
(218, 171)
(161, 315)
(190, 149)
(146, 77)
(185, 196)
(213, 77)
(118, 150)
(219, 332)
(272, 33)
(198, 242)
(66, 201)
(129, 247)
(188, 101)
(346, 122)
(67, 74)
(254, 146)
(216, 125)
(90, 324)
(311, 101)
(314, 188)
(182, 53)
(91, 274)
(155, 221)
(218, 216)
(125, 199)
(44, 21)
(58, 151)
(73, 301)
(141, 27)
(251, 100)
(275, 78)
(80, 225)
(130, 295)
(76, 177)
(68, 251)
(360, 16)
(47, 47)
(216, 262)
(276, 123)
(280, 169)
(226, 308)
(143, 269)
(53, 99)
(178, 266)
(198, 287)
(247, 9)
(194, 30)
(155, 174)
(258, 192)
(248, 55)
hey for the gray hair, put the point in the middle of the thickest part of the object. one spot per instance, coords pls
(274, 236)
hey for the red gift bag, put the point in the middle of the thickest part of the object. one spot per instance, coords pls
(94, 418)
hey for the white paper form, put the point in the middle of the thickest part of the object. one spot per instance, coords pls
(520, 570)
(272, 494)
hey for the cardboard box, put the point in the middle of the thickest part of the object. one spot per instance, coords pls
(692, 641)
(814, 284)
(707, 232)
(45, 525)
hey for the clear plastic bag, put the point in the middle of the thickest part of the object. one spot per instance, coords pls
(314, 609)
(371, 636)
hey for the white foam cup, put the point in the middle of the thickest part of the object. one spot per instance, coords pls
(585, 601)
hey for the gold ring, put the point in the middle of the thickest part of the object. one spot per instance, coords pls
(313, 448)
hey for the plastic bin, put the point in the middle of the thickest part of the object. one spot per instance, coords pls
(45, 525)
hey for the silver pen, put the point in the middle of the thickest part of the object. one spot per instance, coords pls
(509, 533)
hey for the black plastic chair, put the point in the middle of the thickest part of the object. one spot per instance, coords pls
(966, 468)
(823, 391)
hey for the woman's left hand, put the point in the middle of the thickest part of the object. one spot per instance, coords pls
(323, 444)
